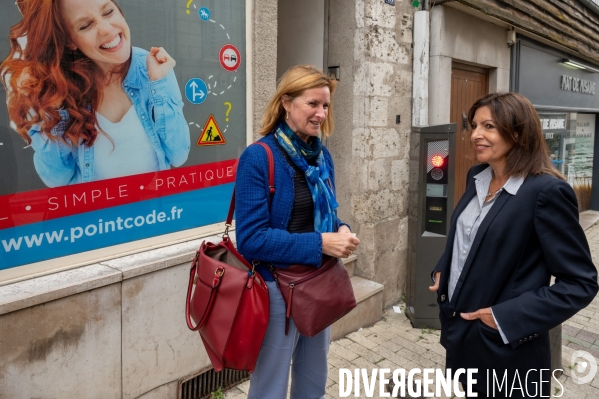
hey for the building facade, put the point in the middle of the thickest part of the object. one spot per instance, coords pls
(105, 317)
(103, 312)
(544, 50)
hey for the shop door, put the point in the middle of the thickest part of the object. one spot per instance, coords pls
(468, 84)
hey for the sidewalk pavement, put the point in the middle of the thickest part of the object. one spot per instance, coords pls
(392, 343)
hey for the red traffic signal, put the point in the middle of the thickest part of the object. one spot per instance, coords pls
(437, 161)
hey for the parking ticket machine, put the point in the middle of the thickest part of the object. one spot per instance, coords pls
(429, 221)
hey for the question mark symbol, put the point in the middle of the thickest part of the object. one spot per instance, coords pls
(229, 106)
(188, 4)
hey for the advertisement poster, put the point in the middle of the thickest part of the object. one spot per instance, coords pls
(119, 121)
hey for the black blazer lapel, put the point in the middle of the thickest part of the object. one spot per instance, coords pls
(493, 212)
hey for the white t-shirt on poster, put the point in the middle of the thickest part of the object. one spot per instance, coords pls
(131, 153)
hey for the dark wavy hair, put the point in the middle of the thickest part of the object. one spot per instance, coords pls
(46, 76)
(519, 124)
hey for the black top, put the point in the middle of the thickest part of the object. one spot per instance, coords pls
(302, 213)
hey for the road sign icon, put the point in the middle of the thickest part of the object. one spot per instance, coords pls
(204, 14)
(196, 91)
(211, 134)
(229, 57)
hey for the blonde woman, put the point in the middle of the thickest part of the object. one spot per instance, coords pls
(299, 226)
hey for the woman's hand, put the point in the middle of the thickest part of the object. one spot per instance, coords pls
(485, 315)
(159, 63)
(341, 244)
(435, 287)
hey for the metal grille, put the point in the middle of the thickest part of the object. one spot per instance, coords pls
(200, 386)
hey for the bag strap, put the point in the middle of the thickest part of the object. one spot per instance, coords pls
(192, 281)
(271, 169)
(271, 184)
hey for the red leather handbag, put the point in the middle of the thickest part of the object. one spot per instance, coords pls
(228, 300)
(315, 298)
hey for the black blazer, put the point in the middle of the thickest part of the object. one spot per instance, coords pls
(521, 243)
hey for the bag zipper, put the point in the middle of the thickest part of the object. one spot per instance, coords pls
(310, 277)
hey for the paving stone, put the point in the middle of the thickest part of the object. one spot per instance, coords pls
(365, 353)
(342, 352)
(363, 363)
(330, 381)
(360, 339)
(594, 324)
(569, 330)
(344, 341)
(244, 386)
(337, 361)
(333, 374)
(235, 393)
(586, 312)
(573, 324)
(332, 391)
(392, 346)
(579, 319)
(587, 336)
(388, 364)
(579, 342)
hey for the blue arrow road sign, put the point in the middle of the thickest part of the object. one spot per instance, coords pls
(196, 91)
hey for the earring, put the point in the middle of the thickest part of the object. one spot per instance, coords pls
(286, 115)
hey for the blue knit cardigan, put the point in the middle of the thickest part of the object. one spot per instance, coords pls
(262, 233)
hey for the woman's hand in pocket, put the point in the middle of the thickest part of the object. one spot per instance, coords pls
(485, 315)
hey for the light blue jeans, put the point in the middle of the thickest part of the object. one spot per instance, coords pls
(309, 356)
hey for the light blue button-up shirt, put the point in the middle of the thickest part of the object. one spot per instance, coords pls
(159, 106)
(470, 220)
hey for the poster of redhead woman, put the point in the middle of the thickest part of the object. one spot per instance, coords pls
(123, 120)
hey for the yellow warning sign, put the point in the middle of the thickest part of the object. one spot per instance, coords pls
(211, 134)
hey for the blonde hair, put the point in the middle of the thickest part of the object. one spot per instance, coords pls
(292, 84)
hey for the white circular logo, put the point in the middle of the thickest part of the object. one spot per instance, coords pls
(581, 367)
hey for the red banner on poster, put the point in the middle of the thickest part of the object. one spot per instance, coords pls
(39, 205)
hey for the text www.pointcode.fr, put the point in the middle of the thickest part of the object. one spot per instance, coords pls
(100, 227)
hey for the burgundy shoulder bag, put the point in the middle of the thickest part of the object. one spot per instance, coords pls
(314, 297)
(228, 300)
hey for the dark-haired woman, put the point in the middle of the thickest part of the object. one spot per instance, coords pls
(515, 227)
(90, 105)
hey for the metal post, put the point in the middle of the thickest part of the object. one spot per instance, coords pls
(555, 339)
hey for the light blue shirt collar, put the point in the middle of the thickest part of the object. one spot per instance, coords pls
(483, 182)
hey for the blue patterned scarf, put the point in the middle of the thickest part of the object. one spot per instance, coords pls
(325, 204)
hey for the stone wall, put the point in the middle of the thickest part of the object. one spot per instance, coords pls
(371, 42)
(110, 330)
(264, 53)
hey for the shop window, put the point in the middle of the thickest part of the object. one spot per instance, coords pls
(570, 140)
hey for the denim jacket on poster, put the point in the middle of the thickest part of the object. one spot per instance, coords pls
(158, 105)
